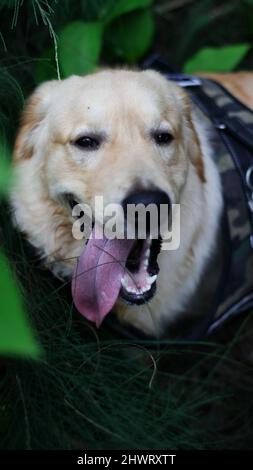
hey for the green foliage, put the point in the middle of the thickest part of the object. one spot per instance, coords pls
(129, 37)
(80, 43)
(224, 59)
(15, 333)
(5, 172)
(121, 7)
(197, 20)
(4, 176)
(79, 46)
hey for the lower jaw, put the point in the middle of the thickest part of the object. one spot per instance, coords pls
(147, 269)
(138, 299)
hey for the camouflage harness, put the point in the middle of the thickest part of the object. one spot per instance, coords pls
(232, 141)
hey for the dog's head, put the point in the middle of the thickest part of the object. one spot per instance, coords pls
(126, 136)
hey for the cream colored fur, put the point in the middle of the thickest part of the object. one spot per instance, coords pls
(125, 105)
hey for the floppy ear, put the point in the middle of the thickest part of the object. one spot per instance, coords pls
(194, 150)
(35, 111)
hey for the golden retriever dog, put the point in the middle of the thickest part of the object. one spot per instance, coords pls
(130, 137)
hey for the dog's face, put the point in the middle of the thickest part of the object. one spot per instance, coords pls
(122, 135)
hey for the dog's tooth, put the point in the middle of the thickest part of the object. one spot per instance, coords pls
(124, 282)
(152, 279)
(129, 288)
(145, 262)
(147, 253)
(145, 288)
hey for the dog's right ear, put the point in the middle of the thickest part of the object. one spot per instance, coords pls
(33, 115)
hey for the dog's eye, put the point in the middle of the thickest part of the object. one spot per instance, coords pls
(162, 138)
(87, 143)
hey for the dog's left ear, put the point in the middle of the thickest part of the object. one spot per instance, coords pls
(33, 115)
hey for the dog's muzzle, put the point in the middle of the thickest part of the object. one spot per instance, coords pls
(125, 268)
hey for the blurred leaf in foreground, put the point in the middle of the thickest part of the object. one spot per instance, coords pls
(223, 59)
(5, 176)
(5, 172)
(15, 333)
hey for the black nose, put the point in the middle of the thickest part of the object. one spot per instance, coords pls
(146, 197)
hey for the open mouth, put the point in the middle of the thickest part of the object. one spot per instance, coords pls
(108, 269)
(138, 285)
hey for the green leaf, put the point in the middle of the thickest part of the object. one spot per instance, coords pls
(130, 36)
(5, 171)
(223, 59)
(46, 68)
(121, 7)
(5, 176)
(79, 47)
(15, 333)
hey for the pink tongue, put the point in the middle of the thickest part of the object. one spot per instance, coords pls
(97, 278)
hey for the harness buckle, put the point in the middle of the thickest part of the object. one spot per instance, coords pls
(251, 240)
(184, 81)
(249, 178)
